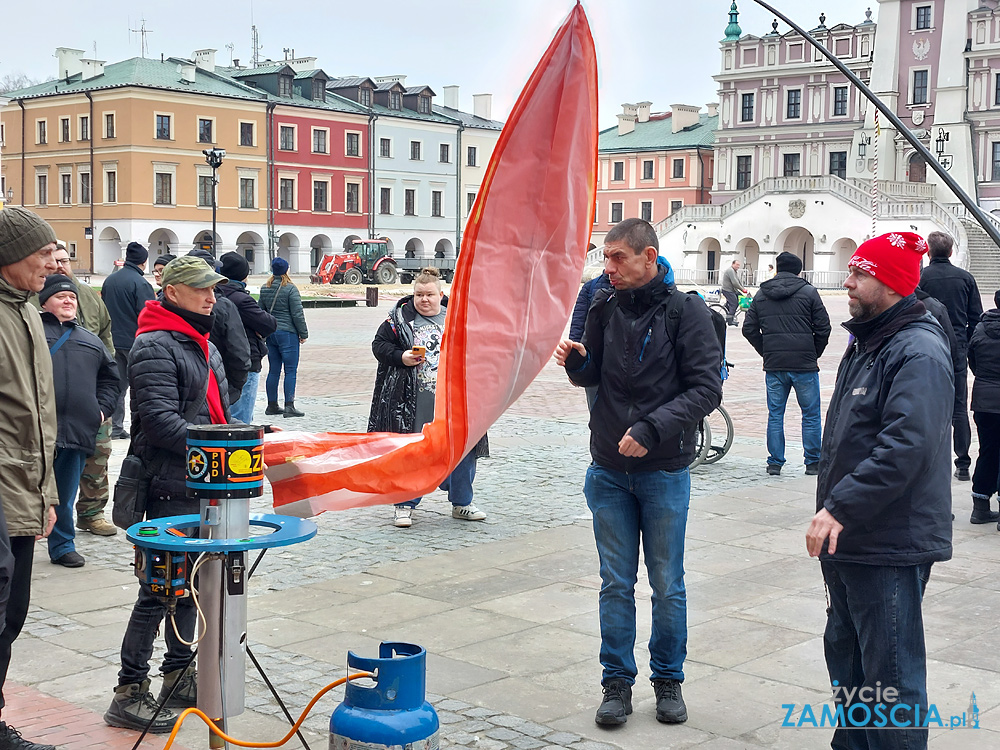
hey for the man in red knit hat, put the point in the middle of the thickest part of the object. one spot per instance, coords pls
(883, 496)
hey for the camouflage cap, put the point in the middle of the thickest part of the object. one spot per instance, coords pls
(190, 271)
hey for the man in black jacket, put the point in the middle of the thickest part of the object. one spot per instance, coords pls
(955, 288)
(656, 379)
(984, 359)
(883, 496)
(789, 327)
(125, 293)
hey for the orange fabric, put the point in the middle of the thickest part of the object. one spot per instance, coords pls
(517, 278)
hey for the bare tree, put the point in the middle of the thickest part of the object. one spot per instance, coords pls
(16, 81)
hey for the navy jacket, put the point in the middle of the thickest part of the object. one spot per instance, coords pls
(257, 323)
(125, 293)
(957, 290)
(787, 324)
(984, 359)
(583, 302)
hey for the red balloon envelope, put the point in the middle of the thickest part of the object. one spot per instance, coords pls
(517, 278)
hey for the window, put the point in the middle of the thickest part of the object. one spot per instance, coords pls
(285, 87)
(646, 210)
(353, 144)
(838, 164)
(618, 171)
(286, 138)
(286, 194)
(163, 127)
(616, 213)
(111, 186)
(385, 147)
(445, 156)
(424, 105)
(247, 190)
(109, 125)
(840, 94)
(470, 201)
(43, 190)
(42, 139)
(746, 109)
(164, 189)
(85, 128)
(66, 196)
(72, 251)
(246, 134)
(319, 141)
(919, 87)
(84, 187)
(385, 201)
(365, 96)
(743, 164)
(471, 156)
(395, 100)
(791, 165)
(436, 203)
(319, 91)
(204, 130)
(320, 196)
(793, 108)
(647, 170)
(410, 202)
(205, 190)
(353, 198)
(676, 206)
(678, 169)
(996, 162)
(64, 129)
(996, 94)
(415, 150)
(923, 17)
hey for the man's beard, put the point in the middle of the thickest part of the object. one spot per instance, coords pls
(861, 311)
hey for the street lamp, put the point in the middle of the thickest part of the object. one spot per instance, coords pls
(214, 157)
(863, 142)
(10, 195)
(940, 141)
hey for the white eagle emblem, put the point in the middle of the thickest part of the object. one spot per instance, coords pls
(921, 48)
(896, 240)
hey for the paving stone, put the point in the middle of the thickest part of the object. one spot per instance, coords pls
(451, 705)
(499, 733)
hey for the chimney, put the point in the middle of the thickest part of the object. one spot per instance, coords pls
(643, 111)
(713, 109)
(69, 61)
(401, 80)
(683, 116)
(205, 59)
(627, 119)
(451, 97)
(482, 106)
(91, 69)
(187, 71)
(298, 64)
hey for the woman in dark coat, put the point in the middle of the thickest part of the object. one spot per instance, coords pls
(280, 298)
(984, 360)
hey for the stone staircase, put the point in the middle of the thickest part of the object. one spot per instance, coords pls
(984, 257)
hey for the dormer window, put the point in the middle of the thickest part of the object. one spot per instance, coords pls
(395, 100)
(424, 105)
(285, 86)
(319, 91)
(365, 96)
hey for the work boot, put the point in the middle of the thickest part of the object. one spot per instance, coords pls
(133, 707)
(96, 525)
(981, 510)
(617, 703)
(670, 708)
(291, 411)
(272, 408)
(11, 739)
(186, 693)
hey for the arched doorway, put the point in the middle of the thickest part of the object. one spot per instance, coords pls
(349, 242)
(748, 251)
(319, 246)
(444, 249)
(107, 250)
(203, 241)
(797, 241)
(248, 244)
(287, 243)
(163, 241)
(916, 170)
(414, 248)
(709, 257)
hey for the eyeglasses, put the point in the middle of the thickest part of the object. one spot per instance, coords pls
(63, 261)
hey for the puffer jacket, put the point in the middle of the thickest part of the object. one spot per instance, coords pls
(957, 290)
(788, 324)
(885, 464)
(285, 304)
(984, 360)
(125, 293)
(27, 415)
(258, 324)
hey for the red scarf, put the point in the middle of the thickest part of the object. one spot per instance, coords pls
(155, 318)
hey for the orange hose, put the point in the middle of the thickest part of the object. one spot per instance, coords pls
(295, 727)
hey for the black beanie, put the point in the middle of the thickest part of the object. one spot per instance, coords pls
(788, 263)
(996, 298)
(234, 266)
(205, 256)
(54, 284)
(136, 253)
(162, 260)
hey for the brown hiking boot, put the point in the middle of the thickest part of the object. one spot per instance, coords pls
(96, 525)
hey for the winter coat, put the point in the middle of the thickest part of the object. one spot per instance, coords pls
(885, 464)
(787, 324)
(957, 290)
(27, 415)
(940, 313)
(984, 359)
(258, 324)
(125, 293)
(583, 302)
(230, 338)
(285, 304)
(91, 313)
(86, 384)
(655, 388)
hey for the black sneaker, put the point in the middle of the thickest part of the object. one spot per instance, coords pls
(71, 559)
(670, 708)
(962, 474)
(11, 739)
(773, 469)
(812, 470)
(617, 703)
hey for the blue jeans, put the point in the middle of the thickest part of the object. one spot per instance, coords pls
(458, 484)
(282, 351)
(650, 506)
(806, 385)
(243, 409)
(875, 633)
(68, 468)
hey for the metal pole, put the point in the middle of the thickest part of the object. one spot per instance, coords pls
(215, 191)
(977, 213)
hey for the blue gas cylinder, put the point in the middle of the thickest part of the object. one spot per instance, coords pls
(392, 714)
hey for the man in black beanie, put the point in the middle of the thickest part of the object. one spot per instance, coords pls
(789, 327)
(158, 266)
(126, 293)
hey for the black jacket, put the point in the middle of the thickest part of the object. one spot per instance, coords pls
(86, 383)
(125, 293)
(940, 313)
(257, 324)
(957, 290)
(787, 324)
(656, 388)
(885, 465)
(583, 302)
(984, 359)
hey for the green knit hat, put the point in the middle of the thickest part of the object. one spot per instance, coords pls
(21, 234)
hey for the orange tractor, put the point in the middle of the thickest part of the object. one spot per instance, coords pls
(369, 263)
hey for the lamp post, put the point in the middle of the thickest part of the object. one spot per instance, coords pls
(943, 159)
(214, 157)
(863, 145)
(10, 195)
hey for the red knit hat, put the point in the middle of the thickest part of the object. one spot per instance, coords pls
(893, 259)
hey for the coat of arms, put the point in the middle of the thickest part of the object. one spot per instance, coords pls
(796, 209)
(921, 48)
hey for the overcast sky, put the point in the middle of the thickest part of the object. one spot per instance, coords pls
(664, 51)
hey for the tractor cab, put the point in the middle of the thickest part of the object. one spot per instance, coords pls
(370, 262)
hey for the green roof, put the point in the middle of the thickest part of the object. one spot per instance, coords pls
(657, 135)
